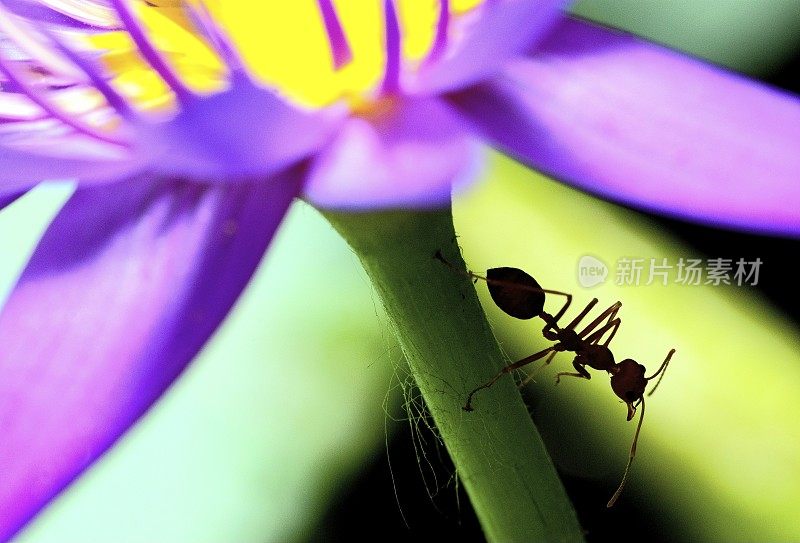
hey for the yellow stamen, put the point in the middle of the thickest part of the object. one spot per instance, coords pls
(283, 43)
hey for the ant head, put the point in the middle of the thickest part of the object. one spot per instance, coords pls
(628, 382)
(515, 292)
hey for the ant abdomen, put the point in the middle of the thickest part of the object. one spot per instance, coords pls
(515, 292)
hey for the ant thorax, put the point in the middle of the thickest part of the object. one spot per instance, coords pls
(598, 357)
(569, 340)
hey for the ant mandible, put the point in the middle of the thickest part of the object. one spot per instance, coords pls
(519, 295)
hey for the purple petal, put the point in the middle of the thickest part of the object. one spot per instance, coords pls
(241, 133)
(123, 290)
(30, 155)
(482, 40)
(409, 154)
(27, 45)
(77, 14)
(646, 126)
(340, 47)
(7, 199)
(393, 46)
(16, 107)
(215, 35)
(442, 32)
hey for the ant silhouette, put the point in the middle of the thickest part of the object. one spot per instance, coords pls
(519, 295)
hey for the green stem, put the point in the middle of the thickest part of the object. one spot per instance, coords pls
(450, 348)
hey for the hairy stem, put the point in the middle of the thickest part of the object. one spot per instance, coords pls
(450, 349)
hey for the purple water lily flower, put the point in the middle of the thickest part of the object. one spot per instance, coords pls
(175, 208)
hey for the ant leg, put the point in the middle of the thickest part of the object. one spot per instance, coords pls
(615, 323)
(582, 314)
(530, 377)
(662, 370)
(508, 369)
(552, 322)
(617, 493)
(564, 308)
(608, 315)
(546, 331)
(582, 373)
(597, 335)
(440, 257)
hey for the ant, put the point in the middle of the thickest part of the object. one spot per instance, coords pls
(519, 295)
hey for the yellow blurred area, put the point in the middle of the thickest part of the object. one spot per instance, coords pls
(283, 43)
(173, 35)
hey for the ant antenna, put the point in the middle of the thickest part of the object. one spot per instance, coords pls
(616, 495)
(661, 370)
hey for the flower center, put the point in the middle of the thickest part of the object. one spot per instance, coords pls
(316, 52)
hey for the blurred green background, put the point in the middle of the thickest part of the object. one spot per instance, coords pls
(299, 390)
